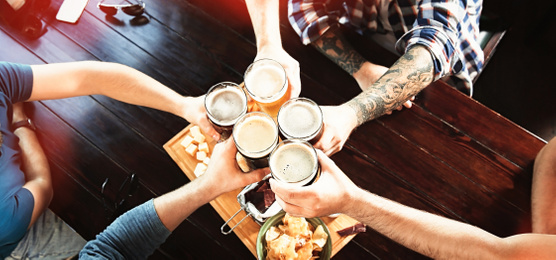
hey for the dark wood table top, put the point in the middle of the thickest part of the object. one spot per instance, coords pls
(448, 155)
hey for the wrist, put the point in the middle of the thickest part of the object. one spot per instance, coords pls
(23, 123)
(350, 113)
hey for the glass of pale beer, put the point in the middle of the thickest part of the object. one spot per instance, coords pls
(267, 83)
(300, 118)
(225, 103)
(294, 161)
(255, 135)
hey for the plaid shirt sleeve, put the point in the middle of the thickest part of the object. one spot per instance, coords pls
(449, 30)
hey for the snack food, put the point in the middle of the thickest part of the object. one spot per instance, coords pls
(196, 146)
(294, 239)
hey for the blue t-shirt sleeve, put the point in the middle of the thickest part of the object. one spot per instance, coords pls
(16, 81)
(133, 235)
(15, 216)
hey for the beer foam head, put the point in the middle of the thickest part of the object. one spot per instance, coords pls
(225, 105)
(265, 79)
(255, 134)
(300, 119)
(293, 162)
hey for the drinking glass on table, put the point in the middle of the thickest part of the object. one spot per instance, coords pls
(267, 83)
(225, 103)
(255, 135)
(294, 161)
(300, 118)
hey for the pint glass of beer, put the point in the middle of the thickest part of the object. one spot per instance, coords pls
(225, 103)
(255, 135)
(300, 118)
(294, 161)
(267, 83)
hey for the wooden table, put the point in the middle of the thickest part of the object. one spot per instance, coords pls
(448, 155)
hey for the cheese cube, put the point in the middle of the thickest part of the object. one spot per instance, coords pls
(191, 149)
(200, 169)
(204, 147)
(186, 141)
(195, 130)
(199, 138)
(206, 160)
(201, 155)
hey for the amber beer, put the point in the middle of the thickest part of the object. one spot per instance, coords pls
(301, 118)
(225, 103)
(266, 82)
(255, 135)
(294, 161)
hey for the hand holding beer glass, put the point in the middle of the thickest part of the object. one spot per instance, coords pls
(267, 83)
(225, 103)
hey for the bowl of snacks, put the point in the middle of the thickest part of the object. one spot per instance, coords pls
(285, 237)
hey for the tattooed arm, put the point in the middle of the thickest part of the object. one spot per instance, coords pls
(411, 73)
(408, 76)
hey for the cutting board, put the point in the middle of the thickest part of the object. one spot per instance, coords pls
(226, 204)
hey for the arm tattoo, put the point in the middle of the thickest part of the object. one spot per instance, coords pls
(336, 48)
(411, 73)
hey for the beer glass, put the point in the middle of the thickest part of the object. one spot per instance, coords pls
(294, 161)
(300, 118)
(225, 103)
(266, 82)
(255, 135)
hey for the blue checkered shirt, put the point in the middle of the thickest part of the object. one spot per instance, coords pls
(448, 28)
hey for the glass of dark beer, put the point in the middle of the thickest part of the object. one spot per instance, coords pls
(294, 161)
(255, 135)
(225, 103)
(300, 118)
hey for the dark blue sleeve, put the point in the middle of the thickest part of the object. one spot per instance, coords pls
(15, 216)
(133, 235)
(16, 81)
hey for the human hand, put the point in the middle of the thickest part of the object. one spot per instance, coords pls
(330, 194)
(338, 125)
(223, 172)
(290, 65)
(406, 104)
(194, 112)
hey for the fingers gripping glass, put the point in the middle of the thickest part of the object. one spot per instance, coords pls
(130, 9)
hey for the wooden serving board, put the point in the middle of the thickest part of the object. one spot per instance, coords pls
(226, 205)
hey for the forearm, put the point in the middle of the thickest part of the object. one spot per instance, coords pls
(37, 172)
(428, 234)
(266, 22)
(174, 207)
(117, 81)
(405, 79)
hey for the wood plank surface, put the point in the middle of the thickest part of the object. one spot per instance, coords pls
(449, 154)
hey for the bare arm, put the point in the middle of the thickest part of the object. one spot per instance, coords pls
(265, 18)
(442, 238)
(408, 76)
(432, 235)
(223, 175)
(120, 82)
(543, 206)
(34, 165)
